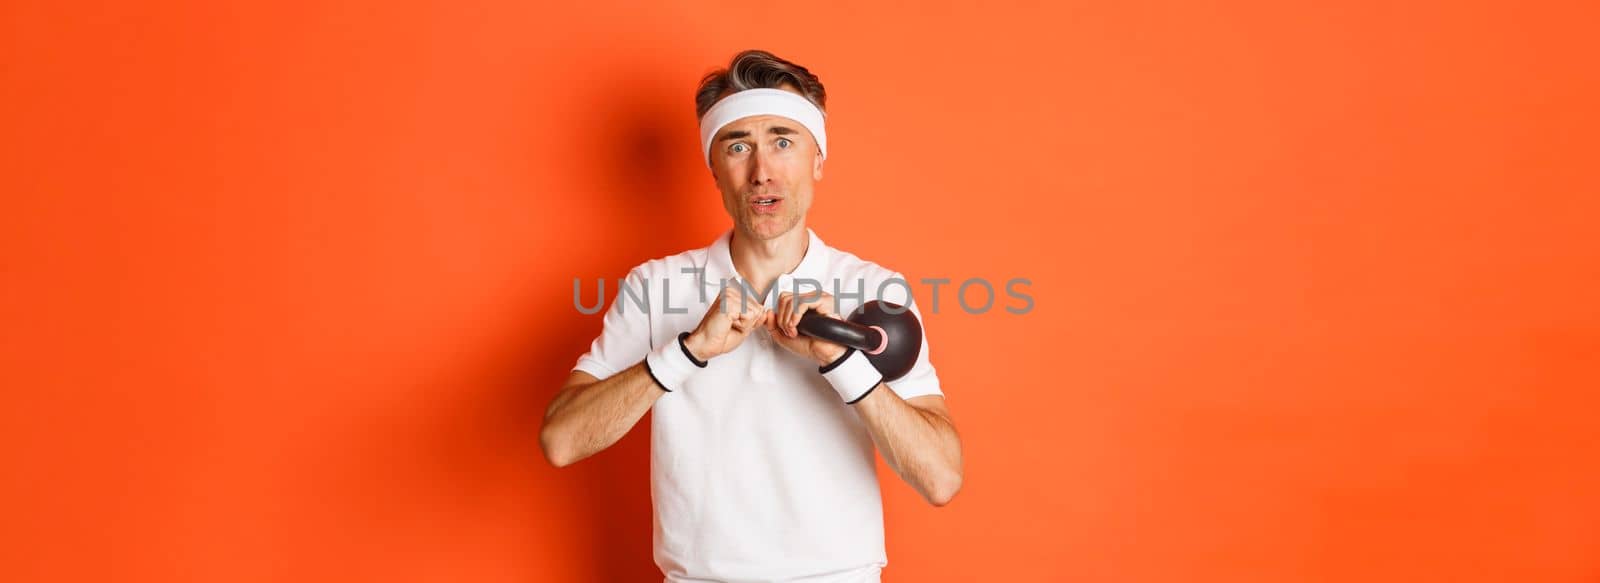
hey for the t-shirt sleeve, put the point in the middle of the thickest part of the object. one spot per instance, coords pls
(922, 380)
(624, 337)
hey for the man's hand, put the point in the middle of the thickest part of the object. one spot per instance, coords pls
(782, 325)
(731, 318)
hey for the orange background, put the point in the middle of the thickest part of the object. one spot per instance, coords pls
(287, 286)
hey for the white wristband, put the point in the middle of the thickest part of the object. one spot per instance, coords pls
(852, 376)
(671, 365)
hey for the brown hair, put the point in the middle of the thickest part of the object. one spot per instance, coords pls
(757, 69)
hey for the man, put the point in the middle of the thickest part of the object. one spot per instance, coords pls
(762, 442)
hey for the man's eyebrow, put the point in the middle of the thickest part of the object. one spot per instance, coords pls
(779, 130)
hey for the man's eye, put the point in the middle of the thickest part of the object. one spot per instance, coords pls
(784, 142)
(738, 148)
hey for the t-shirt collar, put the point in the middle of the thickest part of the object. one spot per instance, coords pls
(719, 265)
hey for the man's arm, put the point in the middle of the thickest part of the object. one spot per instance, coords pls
(917, 439)
(916, 436)
(588, 414)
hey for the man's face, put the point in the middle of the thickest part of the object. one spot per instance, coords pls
(766, 167)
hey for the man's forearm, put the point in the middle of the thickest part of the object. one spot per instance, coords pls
(584, 419)
(921, 446)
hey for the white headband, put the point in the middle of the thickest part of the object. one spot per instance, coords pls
(762, 102)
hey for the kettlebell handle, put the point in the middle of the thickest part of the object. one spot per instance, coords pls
(868, 339)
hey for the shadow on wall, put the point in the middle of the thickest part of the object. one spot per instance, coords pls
(650, 200)
(644, 195)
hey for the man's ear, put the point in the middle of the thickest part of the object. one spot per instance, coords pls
(816, 167)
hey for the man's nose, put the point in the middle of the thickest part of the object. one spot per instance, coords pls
(758, 169)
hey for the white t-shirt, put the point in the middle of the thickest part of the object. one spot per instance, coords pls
(758, 470)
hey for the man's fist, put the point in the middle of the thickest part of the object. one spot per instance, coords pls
(732, 317)
(783, 324)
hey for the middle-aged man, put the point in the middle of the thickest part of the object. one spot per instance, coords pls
(761, 446)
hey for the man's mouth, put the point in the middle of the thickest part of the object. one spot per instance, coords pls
(765, 203)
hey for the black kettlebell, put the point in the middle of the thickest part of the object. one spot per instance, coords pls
(888, 333)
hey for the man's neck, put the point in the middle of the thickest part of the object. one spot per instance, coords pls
(761, 262)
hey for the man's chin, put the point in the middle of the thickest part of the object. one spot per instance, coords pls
(764, 228)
